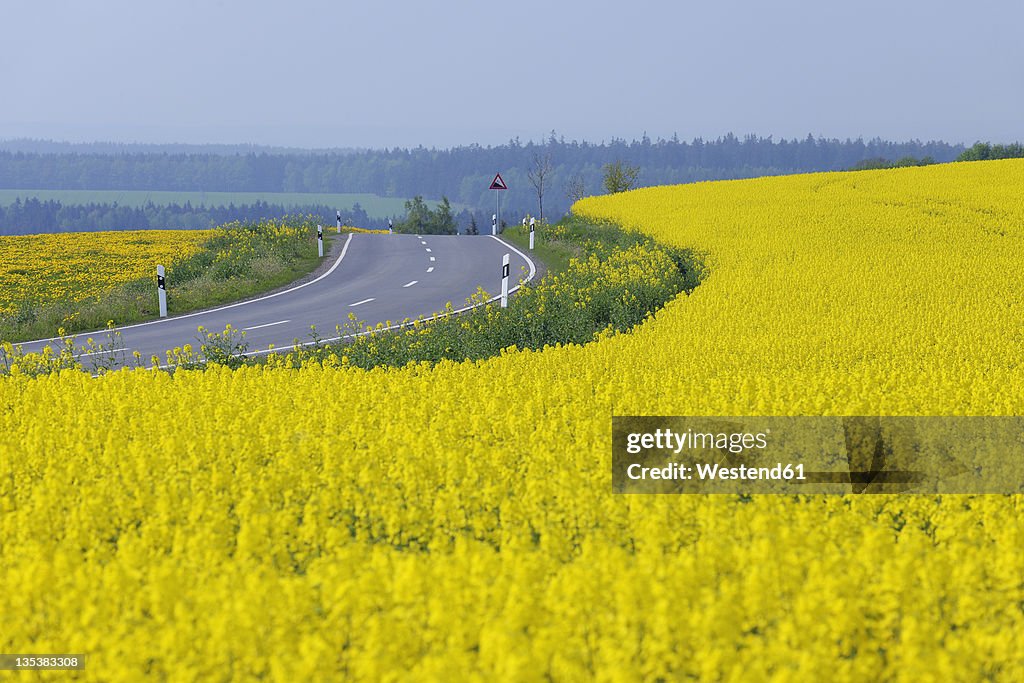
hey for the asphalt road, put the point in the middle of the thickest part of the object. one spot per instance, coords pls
(379, 278)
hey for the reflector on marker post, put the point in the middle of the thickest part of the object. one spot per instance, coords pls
(161, 290)
(320, 239)
(504, 281)
(533, 223)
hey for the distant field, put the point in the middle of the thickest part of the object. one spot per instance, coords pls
(44, 269)
(374, 205)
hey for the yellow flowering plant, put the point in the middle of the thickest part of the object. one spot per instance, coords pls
(455, 520)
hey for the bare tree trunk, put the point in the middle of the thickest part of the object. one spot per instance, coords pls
(575, 189)
(538, 175)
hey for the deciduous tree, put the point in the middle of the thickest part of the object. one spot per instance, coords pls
(539, 175)
(619, 176)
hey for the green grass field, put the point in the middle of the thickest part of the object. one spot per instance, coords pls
(553, 254)
(374, 205)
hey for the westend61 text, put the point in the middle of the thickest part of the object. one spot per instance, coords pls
(706, 471)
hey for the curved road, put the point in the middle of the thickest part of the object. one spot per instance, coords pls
(379, 278)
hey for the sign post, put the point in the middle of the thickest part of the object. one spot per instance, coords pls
(533, 224)
(504, 281)
(161, 290)
(320, 240)
(497, 184)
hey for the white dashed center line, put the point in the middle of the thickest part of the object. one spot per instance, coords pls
(256, 327)
(428, 248)
(430, 269)
(96, 353)
(410, 284)
(431, 258)
(360, 303)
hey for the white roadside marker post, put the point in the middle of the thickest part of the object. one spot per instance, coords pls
(494, 224)
(504, 281)
(524, 222)
(533, 224)
(161, 290)
(391, 227)
(339, 222)
(320, 240)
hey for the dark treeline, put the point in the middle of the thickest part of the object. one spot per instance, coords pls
(904, 162)
(463, 174)
(985, 151)
(35, 216)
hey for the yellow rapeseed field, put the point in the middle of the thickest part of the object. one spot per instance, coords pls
(78, 265)
(457, 522)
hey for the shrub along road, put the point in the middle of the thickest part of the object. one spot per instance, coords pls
(379, 278)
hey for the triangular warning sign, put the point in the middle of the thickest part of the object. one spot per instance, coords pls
(498, 183)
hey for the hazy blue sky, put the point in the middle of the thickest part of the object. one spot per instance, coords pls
(325, 74)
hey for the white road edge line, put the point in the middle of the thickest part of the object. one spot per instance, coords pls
(533, 268)
(259, 327)
(337, 263)
(360, 303)
(409, 284)
(430, 269)
(265, 352)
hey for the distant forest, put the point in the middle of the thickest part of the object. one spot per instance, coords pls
(35, 216)
(461, 174)
(984, 151)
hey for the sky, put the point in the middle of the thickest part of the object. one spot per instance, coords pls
(318, 73)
